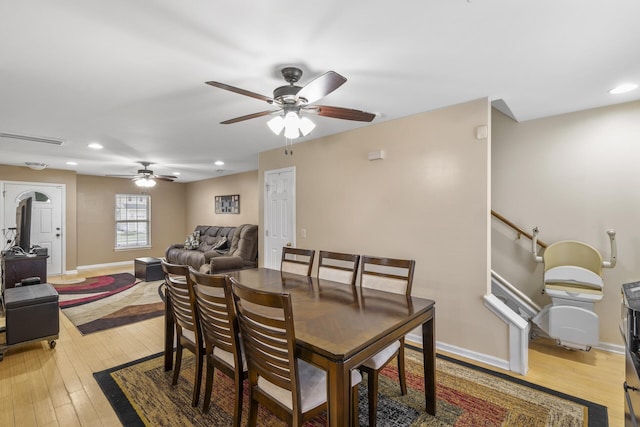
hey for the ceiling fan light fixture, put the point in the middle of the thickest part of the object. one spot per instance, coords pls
(276, 124)
(145, 182)
(306, 126)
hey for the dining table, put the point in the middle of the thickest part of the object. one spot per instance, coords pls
(338, 327)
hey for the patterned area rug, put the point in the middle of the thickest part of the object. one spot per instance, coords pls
(141, 394)
(98, 303)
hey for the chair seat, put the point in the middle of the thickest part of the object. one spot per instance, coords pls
(383, 356)
(313, 387)
(189, 335)
(228, 357)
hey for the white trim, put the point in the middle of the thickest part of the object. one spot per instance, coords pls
(63, 213)
(518, 334)
(265, 192)
(610, 347)
(108, 265)
(463, 352)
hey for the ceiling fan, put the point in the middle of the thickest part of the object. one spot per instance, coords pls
(146, 177)
(292, 100)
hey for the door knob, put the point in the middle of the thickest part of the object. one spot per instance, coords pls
(289, 244)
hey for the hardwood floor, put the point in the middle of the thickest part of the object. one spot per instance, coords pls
(43, 387)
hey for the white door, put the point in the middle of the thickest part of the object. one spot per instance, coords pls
(46, 218)
(279, 214)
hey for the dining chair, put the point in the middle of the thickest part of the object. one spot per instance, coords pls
(389, 275)
(220, 330)
(184, 312)
(297, 261)
(292, 389)
(338, 267)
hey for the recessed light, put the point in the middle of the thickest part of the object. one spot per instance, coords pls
(72, 163)
(623, 88)
(175, 173)
(95, 146)
(219, 163)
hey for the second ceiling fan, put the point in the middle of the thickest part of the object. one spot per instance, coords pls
(292, 100)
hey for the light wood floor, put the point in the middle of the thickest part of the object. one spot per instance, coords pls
(43, 387)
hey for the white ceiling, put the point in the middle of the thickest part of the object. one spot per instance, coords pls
(130, 74)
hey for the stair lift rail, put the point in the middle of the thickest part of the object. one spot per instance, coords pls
(573, 280)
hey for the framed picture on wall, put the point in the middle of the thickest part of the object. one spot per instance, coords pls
(228, 204)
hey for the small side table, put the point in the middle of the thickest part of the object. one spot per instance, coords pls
(148, 269)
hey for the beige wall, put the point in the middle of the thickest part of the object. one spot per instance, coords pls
(96, 218)
(201, 204)
(52, 176)
(176, 208)
(428, 200)
(573, 176)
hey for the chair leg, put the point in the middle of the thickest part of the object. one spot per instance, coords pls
(401, 375)
(208, 387)
(237, 411)
(178, 364)
(355, 419)
(372, 383)
(197, 383)
(253, 410)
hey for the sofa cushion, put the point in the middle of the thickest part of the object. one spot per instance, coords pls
(245, 243)
(225, 263)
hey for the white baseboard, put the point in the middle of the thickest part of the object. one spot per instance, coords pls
(494, 361)
(108, 265)
(462, 352)
(611, 348)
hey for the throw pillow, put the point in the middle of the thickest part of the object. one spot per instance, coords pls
(221, 244)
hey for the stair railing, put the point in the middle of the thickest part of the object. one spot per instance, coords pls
(520, 232)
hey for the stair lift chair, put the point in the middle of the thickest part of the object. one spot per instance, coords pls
(573, 280)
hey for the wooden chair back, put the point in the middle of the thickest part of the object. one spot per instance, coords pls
(266, 325)
(216, 313)
(387, 274)
(183, 305)
(338, 267)
(297, 261)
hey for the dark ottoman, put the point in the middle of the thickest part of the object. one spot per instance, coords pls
(32, 313)
(148, 269)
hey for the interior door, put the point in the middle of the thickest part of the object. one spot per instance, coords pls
(46, 217)
(279, 214)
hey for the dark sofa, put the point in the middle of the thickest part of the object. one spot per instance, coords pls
(219, 249)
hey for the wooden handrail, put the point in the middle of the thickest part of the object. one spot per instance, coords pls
(517, 229)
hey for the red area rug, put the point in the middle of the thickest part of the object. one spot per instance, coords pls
(103, 302)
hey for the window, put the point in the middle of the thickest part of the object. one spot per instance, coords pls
(133, 221)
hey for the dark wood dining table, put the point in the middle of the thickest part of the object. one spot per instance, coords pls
(339, 326)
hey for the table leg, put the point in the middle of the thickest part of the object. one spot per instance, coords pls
(168, 333)
(338, 395)
(429, 363)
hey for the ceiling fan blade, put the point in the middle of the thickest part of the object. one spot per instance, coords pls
(169, 178)
(241, 91)
(321, 86)
(122, 176)
(248, 116)
(341, 113)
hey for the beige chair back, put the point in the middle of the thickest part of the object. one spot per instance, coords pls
(297, 261)
(387, 274)
(338, 267)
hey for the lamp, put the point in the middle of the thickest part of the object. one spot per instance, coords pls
(145, 182)
(292, 124)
